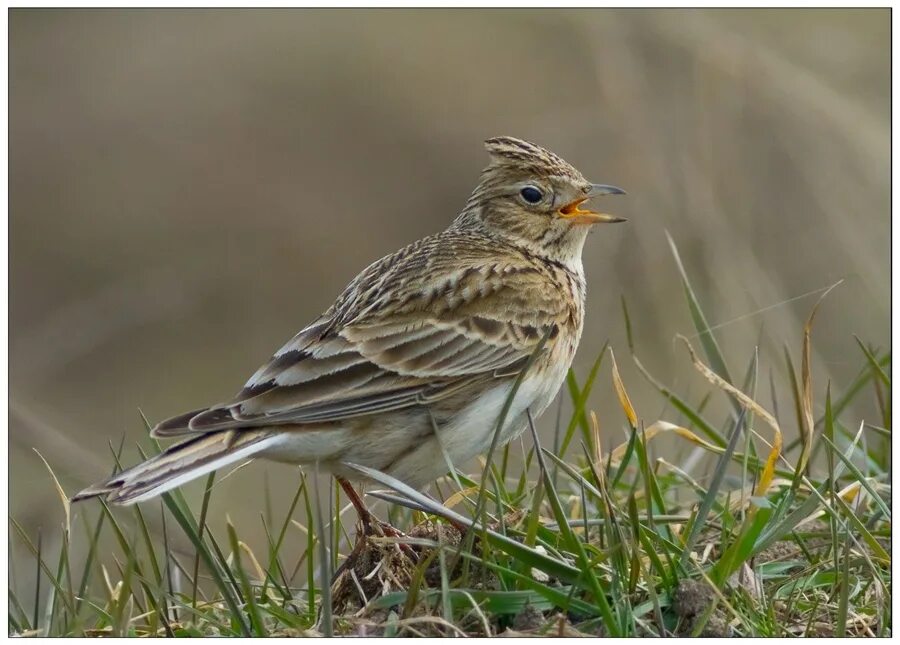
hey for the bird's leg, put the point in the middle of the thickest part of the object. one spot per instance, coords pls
(368, 554)
(371, 525)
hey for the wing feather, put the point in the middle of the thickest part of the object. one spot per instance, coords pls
(395, 342)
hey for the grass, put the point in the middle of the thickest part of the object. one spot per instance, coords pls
(762, 538)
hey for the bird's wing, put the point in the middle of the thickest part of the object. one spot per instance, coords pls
(408, 331)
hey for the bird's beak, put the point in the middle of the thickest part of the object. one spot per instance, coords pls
(576, 215)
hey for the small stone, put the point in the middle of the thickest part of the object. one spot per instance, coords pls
(747, 579)
(537, 574)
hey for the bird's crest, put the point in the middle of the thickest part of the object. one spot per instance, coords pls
(520, 154)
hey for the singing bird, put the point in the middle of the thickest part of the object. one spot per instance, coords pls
(418, 354)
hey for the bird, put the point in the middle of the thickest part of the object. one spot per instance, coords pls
(411, 365)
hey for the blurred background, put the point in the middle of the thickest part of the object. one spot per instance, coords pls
(189, 188)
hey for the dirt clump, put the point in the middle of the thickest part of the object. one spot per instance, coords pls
(693, 601)
(529, 619)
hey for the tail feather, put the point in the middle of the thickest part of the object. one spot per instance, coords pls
(176, 426)
(177, 465)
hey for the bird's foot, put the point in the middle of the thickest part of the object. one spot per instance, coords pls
(370, 526)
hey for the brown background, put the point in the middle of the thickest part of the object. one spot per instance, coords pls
(188, 188)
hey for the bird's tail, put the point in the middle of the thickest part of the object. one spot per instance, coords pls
(179, 464)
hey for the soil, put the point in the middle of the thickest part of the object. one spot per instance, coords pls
(693, 599)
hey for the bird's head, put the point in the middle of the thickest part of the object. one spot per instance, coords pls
(533, 197)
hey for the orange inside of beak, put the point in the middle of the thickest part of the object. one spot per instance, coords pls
(576, 215)
(573, 210)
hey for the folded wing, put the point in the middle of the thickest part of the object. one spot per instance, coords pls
(367, 356)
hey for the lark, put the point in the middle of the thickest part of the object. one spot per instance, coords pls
(411, 365)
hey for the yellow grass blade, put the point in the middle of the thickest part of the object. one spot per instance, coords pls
(624, 401)
(806, 404)
(661, 427)
(59, 489)
(768, 472)
(260, 573)
(460, 495)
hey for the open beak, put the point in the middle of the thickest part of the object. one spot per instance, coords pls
(575, 214)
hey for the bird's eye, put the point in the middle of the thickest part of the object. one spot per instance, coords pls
(531, 194)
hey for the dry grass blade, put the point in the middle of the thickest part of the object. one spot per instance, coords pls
(624, 401)
(460, 495)
(257, 567)
(62, 495)
(809, 422)
(679, 404)
(777, 441)
(660, 427)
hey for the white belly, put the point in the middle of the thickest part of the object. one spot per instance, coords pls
(471, 431)
(403, 448)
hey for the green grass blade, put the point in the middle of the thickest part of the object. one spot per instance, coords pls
(877, 369)
(37, 552)
(496, 602)
(498, 426)
(121, 617)
(37, 574)
(862, 479)
(629, 337)
(843, 592)
(201, 528)
(579, 398)
(326, 618)
(864, 533)
(712, 491)
(190, 529)
(743, 548)
(707, 339)
(274, 570)
(570, 539)
(256, 620)
(528, 556)
(22, 624)
(854, 389)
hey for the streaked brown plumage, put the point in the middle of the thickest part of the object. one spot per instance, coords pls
(439, 329)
